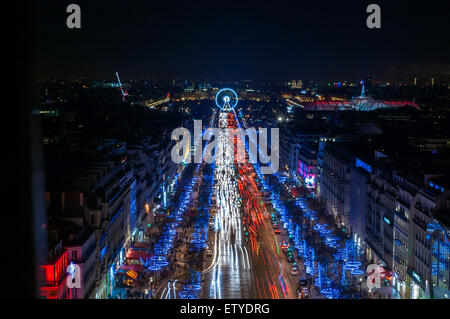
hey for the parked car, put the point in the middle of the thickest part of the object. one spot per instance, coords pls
(305, 293)
(302, 282)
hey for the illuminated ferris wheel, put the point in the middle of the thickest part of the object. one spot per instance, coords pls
(226, 99)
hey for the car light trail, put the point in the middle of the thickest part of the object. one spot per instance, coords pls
(174, 289)
(231, 258)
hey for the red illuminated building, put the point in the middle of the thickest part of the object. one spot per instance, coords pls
(52, 278)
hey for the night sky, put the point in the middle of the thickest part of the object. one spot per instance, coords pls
(322, 40)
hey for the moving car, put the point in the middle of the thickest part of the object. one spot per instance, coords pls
(209, 253)
(302, 282)
(290, 258)
(294, 270)
(277, 231)
(305, 293)
(289, 250)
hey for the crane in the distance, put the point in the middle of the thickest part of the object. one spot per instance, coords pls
(124, 92)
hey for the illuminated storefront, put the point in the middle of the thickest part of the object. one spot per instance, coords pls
(417, 285)
(52, 279)
(310, 181)
(399, 283)
(307, 175)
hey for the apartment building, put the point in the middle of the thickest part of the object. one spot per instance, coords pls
(334, 183)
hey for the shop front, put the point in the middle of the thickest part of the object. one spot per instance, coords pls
(101, 290)
(417, 286)
(399, 285)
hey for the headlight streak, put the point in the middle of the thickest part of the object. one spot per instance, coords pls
(164, 291)
(168, 291)
(228, 220)
(174, 289)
